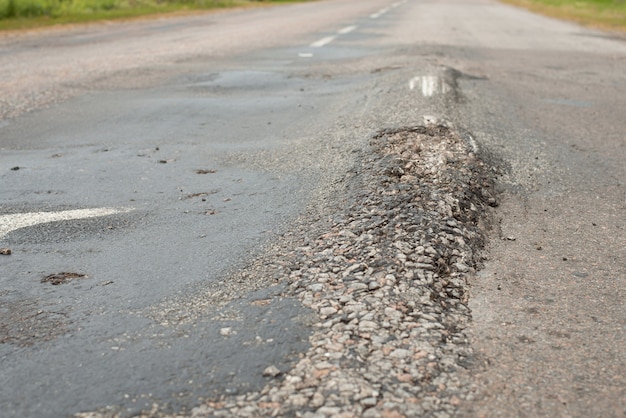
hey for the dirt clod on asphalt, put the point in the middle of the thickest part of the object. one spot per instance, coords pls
(62, 278)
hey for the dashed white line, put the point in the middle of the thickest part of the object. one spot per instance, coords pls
(9, 223)
(379, 13)
(326, 40)
(323, 41)
(347, 29)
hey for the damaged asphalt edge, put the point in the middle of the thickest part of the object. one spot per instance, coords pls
(387, 266)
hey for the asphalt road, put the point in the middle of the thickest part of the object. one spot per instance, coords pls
(159, 158)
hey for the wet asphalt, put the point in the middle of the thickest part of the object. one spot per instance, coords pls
(206, 166)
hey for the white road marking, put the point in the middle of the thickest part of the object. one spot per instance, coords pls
(323, 41)
(305, 55)
(473, 143)
(9, 223)
(379, 13)
(347, 29)
(429, 85)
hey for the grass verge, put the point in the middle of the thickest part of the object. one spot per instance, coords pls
(30, 14)
(603, 14)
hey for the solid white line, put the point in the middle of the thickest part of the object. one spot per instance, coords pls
(347, 29)
(15, 221)
(323, 41)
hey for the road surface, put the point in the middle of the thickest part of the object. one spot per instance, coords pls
(156, 176)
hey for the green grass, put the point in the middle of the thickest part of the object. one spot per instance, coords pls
(28, 14)
(605, 14)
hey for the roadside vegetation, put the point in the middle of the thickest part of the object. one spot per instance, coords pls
(604, 14)
(25, 14)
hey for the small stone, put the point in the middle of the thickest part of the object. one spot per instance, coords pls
(392, 413)
(404, 378)
(298, 400)
(373, 285)
(368, 326)
(346, 233)
(269, 405)
(358, 286)
(400, 353)
(329, 310)
(226, 332)
(462, 267)
(319, 374)
(330, 411)
(346, 387)
(316, 287)
(391, 279)
(317, 400)
(271, 371)
(5, 251)
(324, 365)
(293, 379)
(369, 402)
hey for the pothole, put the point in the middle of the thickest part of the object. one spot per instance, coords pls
(388, 275)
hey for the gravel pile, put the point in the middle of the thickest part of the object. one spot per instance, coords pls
(389, 280)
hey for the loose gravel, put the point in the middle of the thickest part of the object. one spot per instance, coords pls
(389, 276)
